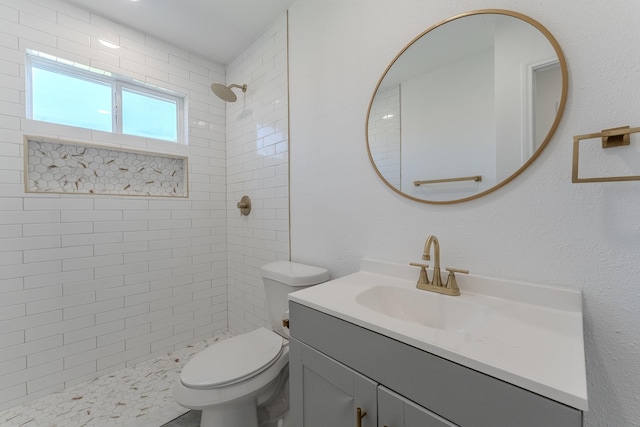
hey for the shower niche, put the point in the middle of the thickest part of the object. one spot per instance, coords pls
(57, 166)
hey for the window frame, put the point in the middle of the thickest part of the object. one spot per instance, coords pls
(117, 83)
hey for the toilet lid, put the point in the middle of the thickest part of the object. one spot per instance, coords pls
(232, 360)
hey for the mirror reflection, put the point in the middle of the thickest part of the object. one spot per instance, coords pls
(466, 106)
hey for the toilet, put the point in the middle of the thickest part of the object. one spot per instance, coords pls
(243, 381)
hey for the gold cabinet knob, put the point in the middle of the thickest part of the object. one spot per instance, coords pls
(360, 414)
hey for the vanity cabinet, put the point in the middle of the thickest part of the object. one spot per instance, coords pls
(337, 367)
(327, 393)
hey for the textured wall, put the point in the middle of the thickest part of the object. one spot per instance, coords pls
(257, 166)
(91, 284)
(539, 228)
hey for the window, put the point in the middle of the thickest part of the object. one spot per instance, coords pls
(63, 92)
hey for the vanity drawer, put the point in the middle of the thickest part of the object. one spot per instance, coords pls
(463, 396)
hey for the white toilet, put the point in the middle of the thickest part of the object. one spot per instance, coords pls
(243, 381)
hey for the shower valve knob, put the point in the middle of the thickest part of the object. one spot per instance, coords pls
(244, 205)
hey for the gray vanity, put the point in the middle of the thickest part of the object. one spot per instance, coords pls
(347, 365)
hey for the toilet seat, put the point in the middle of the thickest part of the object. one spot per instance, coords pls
(233, 360)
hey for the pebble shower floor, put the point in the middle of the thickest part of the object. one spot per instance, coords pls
(140, 396)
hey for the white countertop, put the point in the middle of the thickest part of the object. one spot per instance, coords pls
(532, 338)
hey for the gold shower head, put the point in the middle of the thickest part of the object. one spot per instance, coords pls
(225, 93)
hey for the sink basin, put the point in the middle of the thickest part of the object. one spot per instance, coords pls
(424, 308)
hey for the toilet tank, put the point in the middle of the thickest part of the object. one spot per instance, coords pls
(282, 277)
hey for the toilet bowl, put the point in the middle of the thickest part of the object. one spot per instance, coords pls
(243, 381)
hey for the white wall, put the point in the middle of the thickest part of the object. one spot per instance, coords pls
(90, 284)
(257, 166)
(539, 228)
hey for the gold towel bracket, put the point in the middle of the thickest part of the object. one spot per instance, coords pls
(615, 137)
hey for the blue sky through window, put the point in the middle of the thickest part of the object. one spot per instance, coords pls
(147, 116)
(58, 98)
(72, 94)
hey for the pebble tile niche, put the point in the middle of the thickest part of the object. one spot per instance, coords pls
(66, 167)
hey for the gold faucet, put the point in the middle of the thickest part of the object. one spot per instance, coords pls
(435, 285)
(437, 280)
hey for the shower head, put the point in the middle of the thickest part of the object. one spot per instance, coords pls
(225, 93)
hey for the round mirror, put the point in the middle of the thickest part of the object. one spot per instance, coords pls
(466, 106)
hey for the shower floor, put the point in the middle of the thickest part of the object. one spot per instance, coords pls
(140, 396)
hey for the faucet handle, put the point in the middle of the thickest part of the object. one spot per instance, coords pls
(423, 279)
(417, 264)
(456, 270)
(451, 280)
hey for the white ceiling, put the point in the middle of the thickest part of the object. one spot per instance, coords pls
(216, 29)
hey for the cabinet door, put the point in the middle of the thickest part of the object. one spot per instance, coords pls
(325, 393)
(396, 411)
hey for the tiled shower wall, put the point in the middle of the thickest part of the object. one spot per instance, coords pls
(257, 166)
(91, 284)
(384, 134)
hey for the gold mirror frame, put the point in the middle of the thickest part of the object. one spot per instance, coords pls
(536, 153)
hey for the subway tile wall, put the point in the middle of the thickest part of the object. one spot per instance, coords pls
(92, 284)
(384, 136)
(257, 166)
